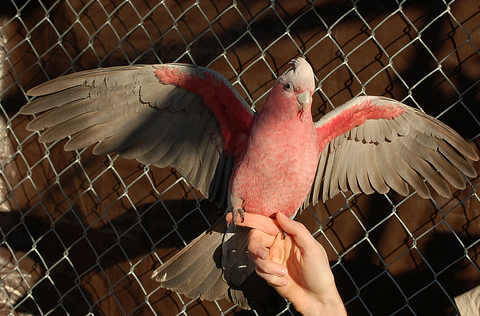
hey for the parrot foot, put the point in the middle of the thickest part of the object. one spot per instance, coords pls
(235, 213)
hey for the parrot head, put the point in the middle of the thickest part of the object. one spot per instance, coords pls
(299, 79)
(292, 94)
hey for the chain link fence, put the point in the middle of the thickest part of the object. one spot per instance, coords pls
(81, 234)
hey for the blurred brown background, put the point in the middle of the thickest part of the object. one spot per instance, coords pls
(81, 234)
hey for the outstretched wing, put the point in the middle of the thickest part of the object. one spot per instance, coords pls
(374, 143)
(185, 116)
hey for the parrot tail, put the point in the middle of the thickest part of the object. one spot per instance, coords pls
(215, 265)
(196, 270)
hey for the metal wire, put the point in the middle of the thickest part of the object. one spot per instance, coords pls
(81, 234)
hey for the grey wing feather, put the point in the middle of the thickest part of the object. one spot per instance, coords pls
(392, 178)
(78, 123)
(127, 109)
(389, 152)
(74, 93)
(351, 169)
(318, 181)
(361, 168)
(374, 172)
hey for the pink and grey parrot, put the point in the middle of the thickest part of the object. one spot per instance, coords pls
(278, 160)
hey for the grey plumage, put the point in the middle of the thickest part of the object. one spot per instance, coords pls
(128, 110)
(394, 152)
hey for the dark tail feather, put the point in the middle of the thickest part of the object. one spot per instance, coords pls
(195, 270)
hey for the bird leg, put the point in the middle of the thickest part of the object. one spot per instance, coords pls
(235, 212)
(235, 205)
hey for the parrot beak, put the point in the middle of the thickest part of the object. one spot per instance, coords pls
(303, 100)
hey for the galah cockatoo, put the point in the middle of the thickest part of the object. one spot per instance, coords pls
(278, 160)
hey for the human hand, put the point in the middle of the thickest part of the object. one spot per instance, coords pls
(296, 266)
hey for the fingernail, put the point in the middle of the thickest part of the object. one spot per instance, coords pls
(284, 281)
(281, 272)
(282, 215)
(261, 253)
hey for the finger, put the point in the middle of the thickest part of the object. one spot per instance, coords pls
(273, 273)
(273, 280)
(281, 248)
(260, 222)
(229, 217)
(258, 243)
(298, 231)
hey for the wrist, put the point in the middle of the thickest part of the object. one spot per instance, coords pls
(332, 306)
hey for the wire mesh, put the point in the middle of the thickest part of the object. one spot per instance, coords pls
(81, 234)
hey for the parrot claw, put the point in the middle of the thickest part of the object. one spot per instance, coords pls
(235, 217)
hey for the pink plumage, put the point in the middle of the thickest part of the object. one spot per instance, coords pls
(275, 173)
(230, 113)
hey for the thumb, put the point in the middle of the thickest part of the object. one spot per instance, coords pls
(297, 230)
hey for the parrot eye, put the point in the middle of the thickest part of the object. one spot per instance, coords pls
(289, 87)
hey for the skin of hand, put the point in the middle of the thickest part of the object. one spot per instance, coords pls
(295, 264)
